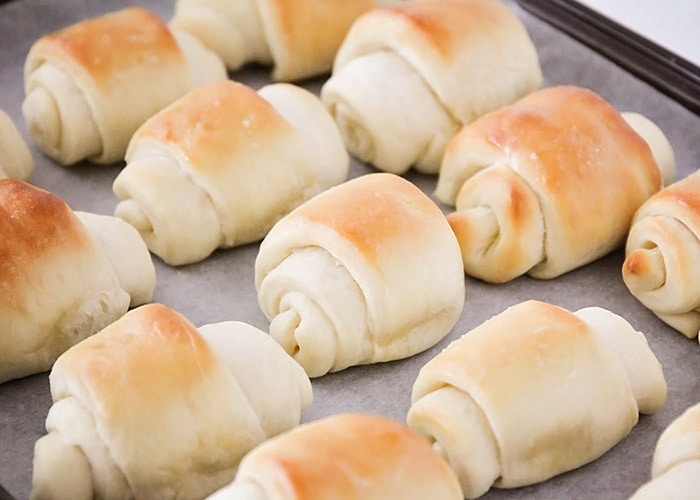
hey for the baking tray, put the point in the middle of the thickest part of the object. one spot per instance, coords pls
(221, 287)
(666, 70)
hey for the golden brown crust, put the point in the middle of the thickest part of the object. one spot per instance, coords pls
(132, 344)
(351, 456)
(108, 45)
(372, 218)
(210, 122)
(537, 335)
(304, 35)
(558, 136)
(35, 224)
(448, 24)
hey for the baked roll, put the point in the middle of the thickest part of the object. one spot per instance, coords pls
(347, 455)
(58, 283)
(662, 252)
(534, 392)
(675, 470)
(241, 158)
(408, 76)
(367, 271)
(151, 407)
(298, 38)
(89, 85)
(546, 185)
(16, 160)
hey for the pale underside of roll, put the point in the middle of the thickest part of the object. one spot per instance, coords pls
(662, 252)
(151, 407)
(57, 284)
(297, 38)
(534, 392)
(242, 159)
(365, 272)
(408, 76)
(547, 184)
(85, 85)
(346, 455)
(675, 470)
(16, 161)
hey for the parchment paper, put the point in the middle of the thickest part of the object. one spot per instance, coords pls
(221, 288)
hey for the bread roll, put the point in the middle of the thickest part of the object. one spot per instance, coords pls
(367, 271)
(150, 407)
(16, 160)
(534, 392)
(89, 85)
(347, 455)
(298, 38)
(675, 470)
(58, 284)
(546, 185)
(662, 252)
(408, 76)
(242, 159)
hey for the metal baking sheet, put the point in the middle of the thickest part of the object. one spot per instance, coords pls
(221, 287)
(669, 71)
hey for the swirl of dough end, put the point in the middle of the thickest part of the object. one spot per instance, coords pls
(297, 326)
(72, 458)
(498, 225)
(394, 130)
(460, 433)
(59, 119)
(319, 319)
(660, 256)
(152, 188)
(644, 269)
(61, 470)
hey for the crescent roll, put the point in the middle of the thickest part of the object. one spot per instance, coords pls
(675, 470)
(151, 407)
(16, 160)
(242, 159)
(546, 185)
(534, 392)
(347, 455)
(58, 282)
(662, 252)
(408, 76)
(89, 85)
(298, 38)
(367, 271)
